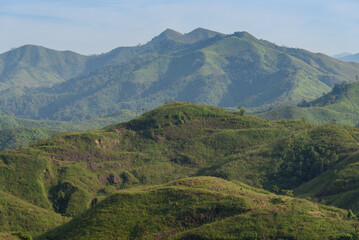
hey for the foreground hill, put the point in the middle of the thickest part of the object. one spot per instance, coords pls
(69, 172)
(204, 208)
(19, 219)
(202, 66)
(340, 105)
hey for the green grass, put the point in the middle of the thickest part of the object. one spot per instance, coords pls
(204, 208)
(19, 217)
(16, 132)
(69, 172)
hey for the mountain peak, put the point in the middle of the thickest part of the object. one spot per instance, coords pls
(168, 34)
(244, 35)
(204, 32)
(199, 34)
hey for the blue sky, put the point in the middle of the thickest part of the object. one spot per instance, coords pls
(96, 26)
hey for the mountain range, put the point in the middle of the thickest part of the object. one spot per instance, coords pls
(202, 67)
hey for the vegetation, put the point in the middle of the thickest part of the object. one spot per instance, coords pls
(202, 66)
(70, 172)
(341, 106)
(19, 218)
(204, 208)
(16, 132)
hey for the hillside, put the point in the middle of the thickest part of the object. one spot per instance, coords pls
(16, 132)
(338, 186)
(202, 66)
(204, 208)
(69, 172)
(32, 219)
(34, 66)
(341, 105)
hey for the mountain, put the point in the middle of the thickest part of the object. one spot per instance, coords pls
(341, 55)
(204, 208)
(202, 66)
(341, 105)
(34, 66)
(70, 172)
(350, 58)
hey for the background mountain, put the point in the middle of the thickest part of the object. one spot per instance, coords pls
(340, 55)
(34, 66)
(341, 105)
(202, 67)
(349, 57)
(70, 172)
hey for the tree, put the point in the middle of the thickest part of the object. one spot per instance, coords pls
(275, 189)
(242, 110)
(350, 214)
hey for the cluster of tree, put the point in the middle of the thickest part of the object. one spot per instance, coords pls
(302, 160)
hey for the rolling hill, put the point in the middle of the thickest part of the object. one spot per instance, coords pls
(17, 132)
(70, 172)
(202, 66)
(341, 105)
(204, 208)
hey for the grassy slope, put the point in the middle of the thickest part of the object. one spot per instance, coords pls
(16, 132)
(204, 208)
(19, 217)
(338, 186)
(341, 105)
(69, 171)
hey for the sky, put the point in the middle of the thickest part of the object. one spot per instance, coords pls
(97, 26)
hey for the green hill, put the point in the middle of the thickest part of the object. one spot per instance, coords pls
(69, 172)
(204, 208)
(340, 105)
(16, 132)
(202, 66)
(19, 219)
(338, 186)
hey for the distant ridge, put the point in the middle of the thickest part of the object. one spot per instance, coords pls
(201, 66)
(35, 66)
(341, 55)
(350, 58)
(341, 105)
